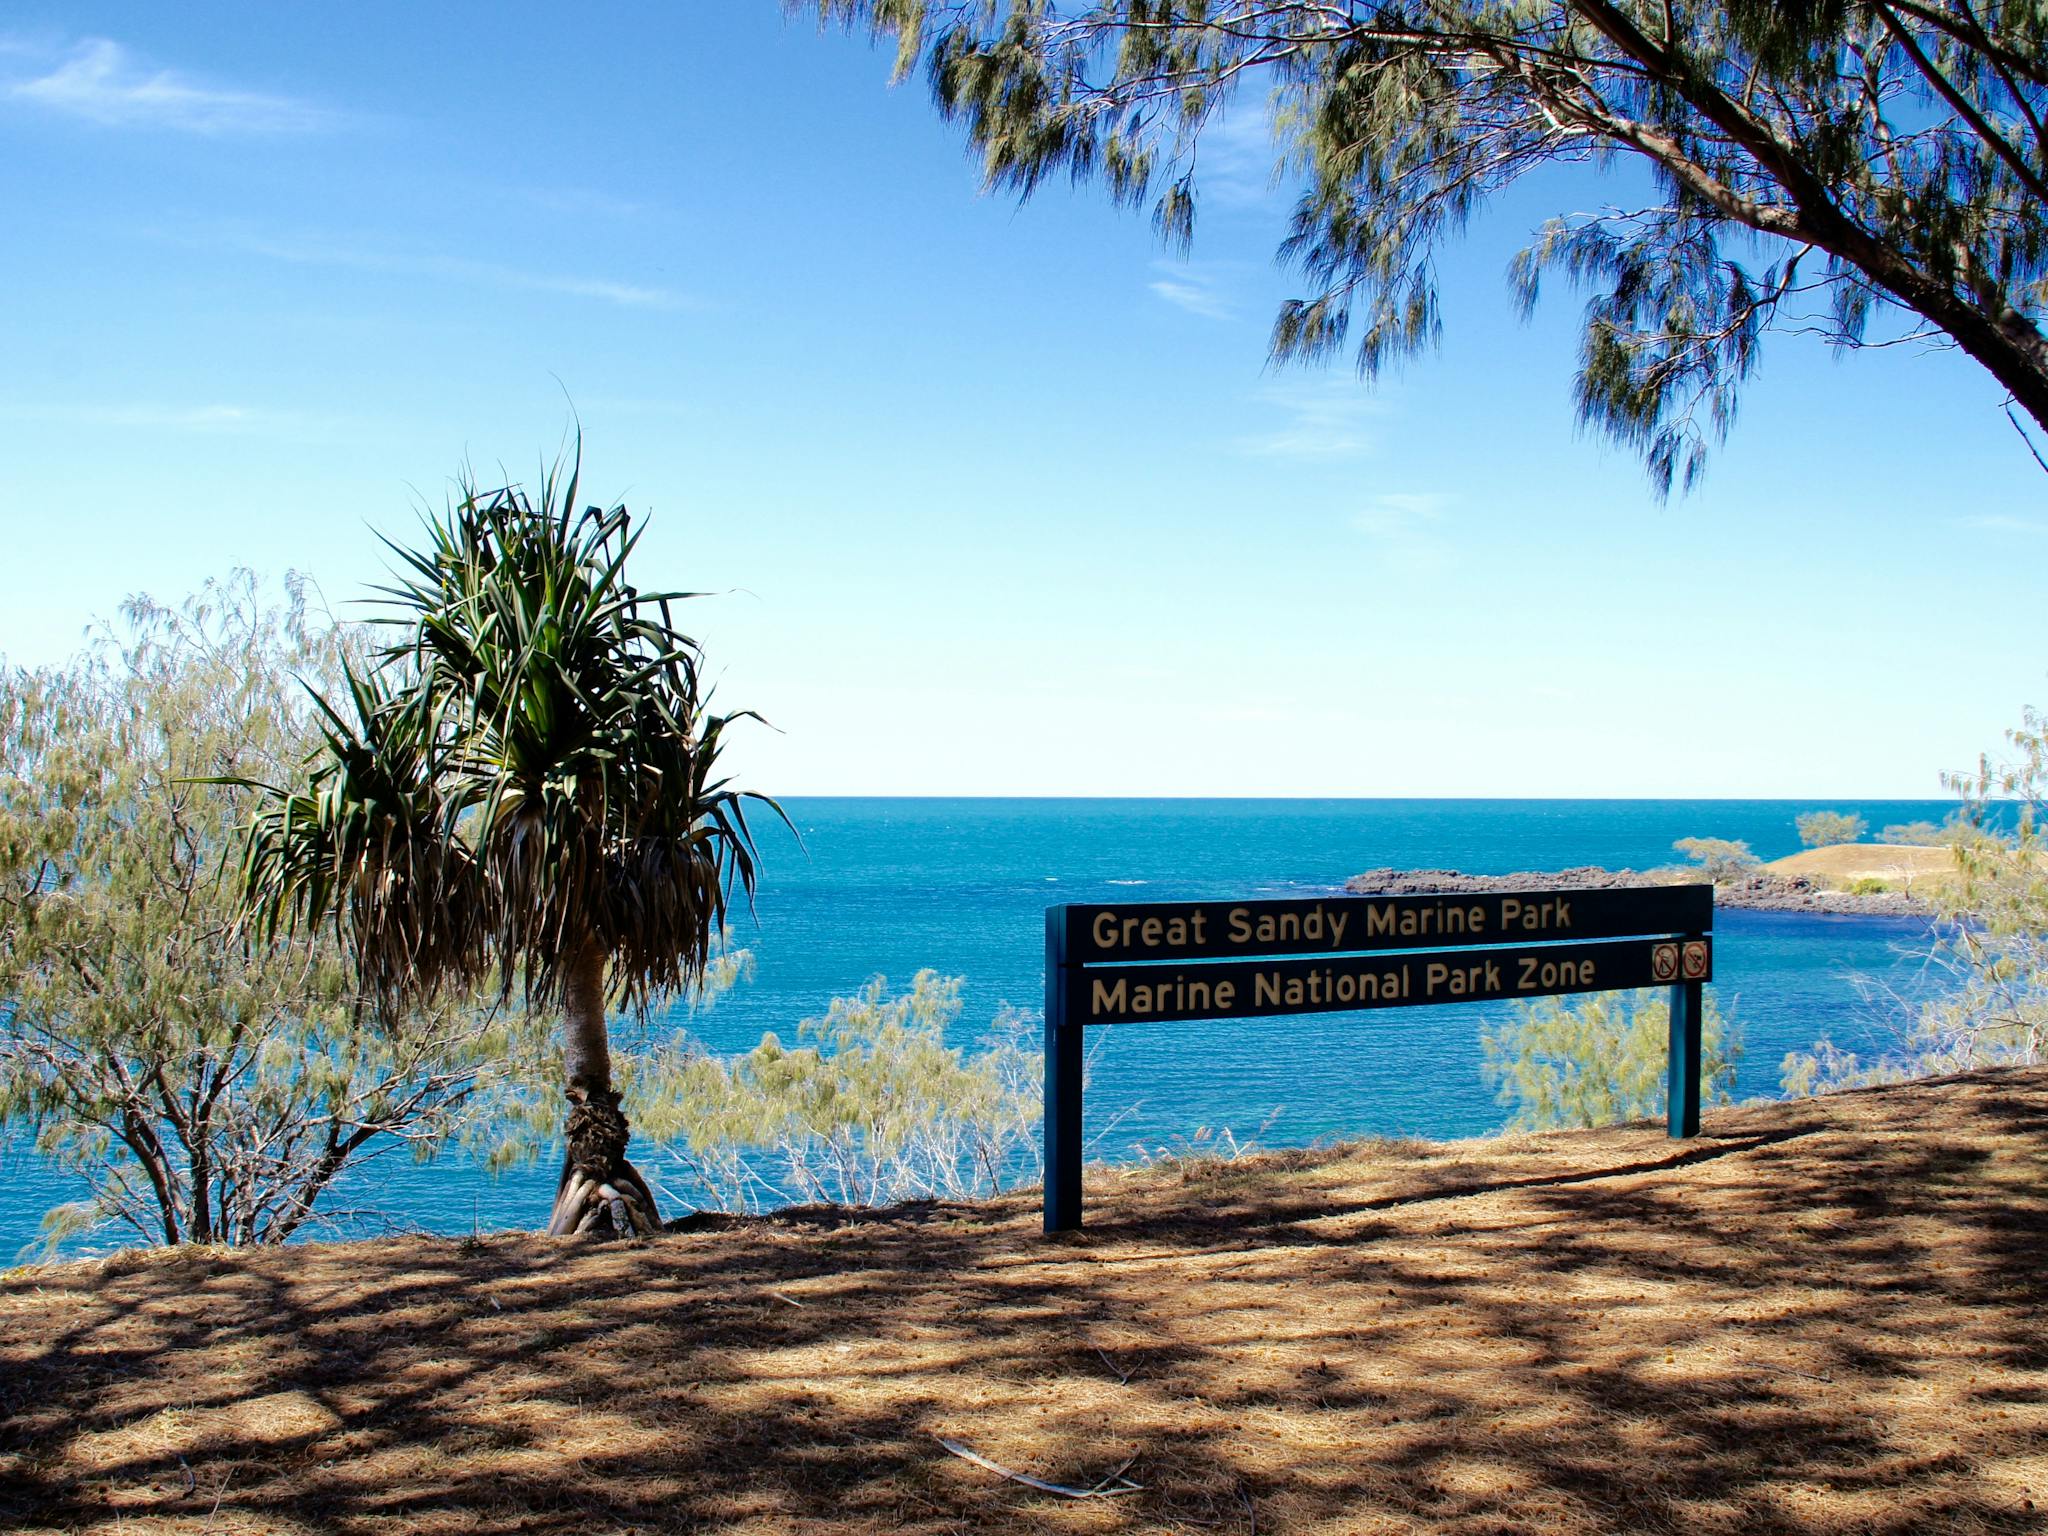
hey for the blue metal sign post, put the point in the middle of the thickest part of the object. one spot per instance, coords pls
(1165, 961)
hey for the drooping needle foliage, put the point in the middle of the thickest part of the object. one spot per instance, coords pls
(870, 1107)
(1867, 172)
(1595, 1060)
(198, 1084)
(1991, 943)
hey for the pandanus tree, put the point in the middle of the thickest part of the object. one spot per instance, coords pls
(520, 791)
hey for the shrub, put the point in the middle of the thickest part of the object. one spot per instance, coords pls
(1913, 834)
(1722, 858)
(1598, 1059)
(1867, 885)
(876, 1110)
(1993, 939)
(1206, 1146)
(1925, 834)
(1823, 829)
(203, 1083)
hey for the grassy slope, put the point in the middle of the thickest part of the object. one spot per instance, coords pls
(1909, 868)
(1901, 866)
(1821, 1317)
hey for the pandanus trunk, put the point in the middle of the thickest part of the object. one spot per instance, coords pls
(600, 1191)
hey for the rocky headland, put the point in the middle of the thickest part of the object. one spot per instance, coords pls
(1761, 891)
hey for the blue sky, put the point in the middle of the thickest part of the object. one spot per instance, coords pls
(1000, 499)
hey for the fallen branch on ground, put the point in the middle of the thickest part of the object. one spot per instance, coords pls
(1099, 1491)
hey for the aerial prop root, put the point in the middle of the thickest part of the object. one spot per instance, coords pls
(620, 1203)
(600, 1191)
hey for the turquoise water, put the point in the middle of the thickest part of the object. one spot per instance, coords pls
(889, 886)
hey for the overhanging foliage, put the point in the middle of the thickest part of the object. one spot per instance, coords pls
(1816, 165)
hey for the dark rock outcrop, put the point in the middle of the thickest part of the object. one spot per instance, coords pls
(1760, 891)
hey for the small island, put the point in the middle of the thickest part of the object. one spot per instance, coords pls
(1845, 880)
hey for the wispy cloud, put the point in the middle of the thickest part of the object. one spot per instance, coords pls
(1240, 155)
(361, 256)
(1323, 419)
(1196, 289)
(2003, 522)
(157, 417)
(1402, 525)
(102, 82)
(638, 405)
(587, 202)
(1392, 514)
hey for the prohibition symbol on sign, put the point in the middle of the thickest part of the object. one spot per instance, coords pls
(1664, 963)
(1694, 963)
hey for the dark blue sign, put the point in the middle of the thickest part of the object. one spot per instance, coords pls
(1162, 962)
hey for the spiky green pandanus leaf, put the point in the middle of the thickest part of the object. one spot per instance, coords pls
(528, 771)
(369, 843)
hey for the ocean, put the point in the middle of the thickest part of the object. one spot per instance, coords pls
(889, 886)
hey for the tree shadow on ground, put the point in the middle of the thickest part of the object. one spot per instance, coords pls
(1824, 1317)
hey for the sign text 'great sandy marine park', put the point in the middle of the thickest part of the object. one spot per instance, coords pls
(1162, 962)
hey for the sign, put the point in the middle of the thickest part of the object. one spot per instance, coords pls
(1170, 962)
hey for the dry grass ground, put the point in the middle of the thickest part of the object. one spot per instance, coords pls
(1820, 1317)
(1901, 866)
